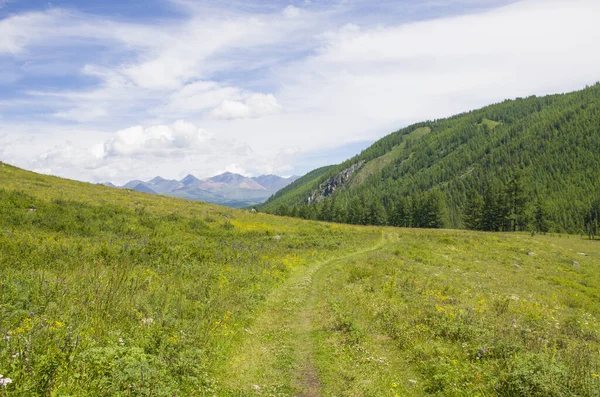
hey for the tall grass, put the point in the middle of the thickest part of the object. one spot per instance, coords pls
(113, 296)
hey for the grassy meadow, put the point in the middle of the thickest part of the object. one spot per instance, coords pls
(108, 292)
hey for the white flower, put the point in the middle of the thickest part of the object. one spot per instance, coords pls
(4, 381)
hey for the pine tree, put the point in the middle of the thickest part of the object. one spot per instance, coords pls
(307, 212)
(401, 214)
(418, 211)
(515, 203)
(592, 220)
(473, 215)
(490, 212)
(435, 210)
(540, 218)
(294, 213)
(325, 212)
(376, 214)
(356, 213)
(338, 214)
(282, 210)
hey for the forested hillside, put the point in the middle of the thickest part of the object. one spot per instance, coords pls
(524, 164)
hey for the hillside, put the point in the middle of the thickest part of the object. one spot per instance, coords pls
(525, 164)
(113, 292)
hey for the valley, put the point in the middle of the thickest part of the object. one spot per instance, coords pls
(115, 292)
(342, 198)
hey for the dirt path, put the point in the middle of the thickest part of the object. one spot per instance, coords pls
(277, 355)
(307, 378)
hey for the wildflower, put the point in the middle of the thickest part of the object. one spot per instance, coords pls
(596, 375)
(121, 341)
(4, 381)
(481, 353)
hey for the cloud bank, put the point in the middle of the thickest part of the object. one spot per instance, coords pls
(261, 88)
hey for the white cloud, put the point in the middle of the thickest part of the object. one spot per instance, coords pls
(201, 96)
(159, 140)
(386, 76)
(81, 113)
(255, 106)
(291, 11)
(18, 31)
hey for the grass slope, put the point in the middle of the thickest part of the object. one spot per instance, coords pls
(113, 292)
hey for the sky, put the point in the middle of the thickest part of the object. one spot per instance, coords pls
(112, 90)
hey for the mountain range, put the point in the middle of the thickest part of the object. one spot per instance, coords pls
(525, 164)
(230, 189)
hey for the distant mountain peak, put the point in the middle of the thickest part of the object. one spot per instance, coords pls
(227, 177)
(189, 180)
(157, 179)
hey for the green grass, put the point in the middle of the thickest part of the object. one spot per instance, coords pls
(110, 292)
(375, 166)
(491, 124)
(462, 314)
(107, 292)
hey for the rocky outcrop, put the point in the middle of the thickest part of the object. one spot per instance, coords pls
(333, 183)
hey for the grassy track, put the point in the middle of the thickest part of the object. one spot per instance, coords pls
(414, 315)
(277, 355)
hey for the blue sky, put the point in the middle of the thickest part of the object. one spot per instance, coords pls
(118, 90)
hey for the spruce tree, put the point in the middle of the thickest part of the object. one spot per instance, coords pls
(356, 213)
(473, 214)
(376, 214)
(592, 220)
(540, 217)
(515, 203)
